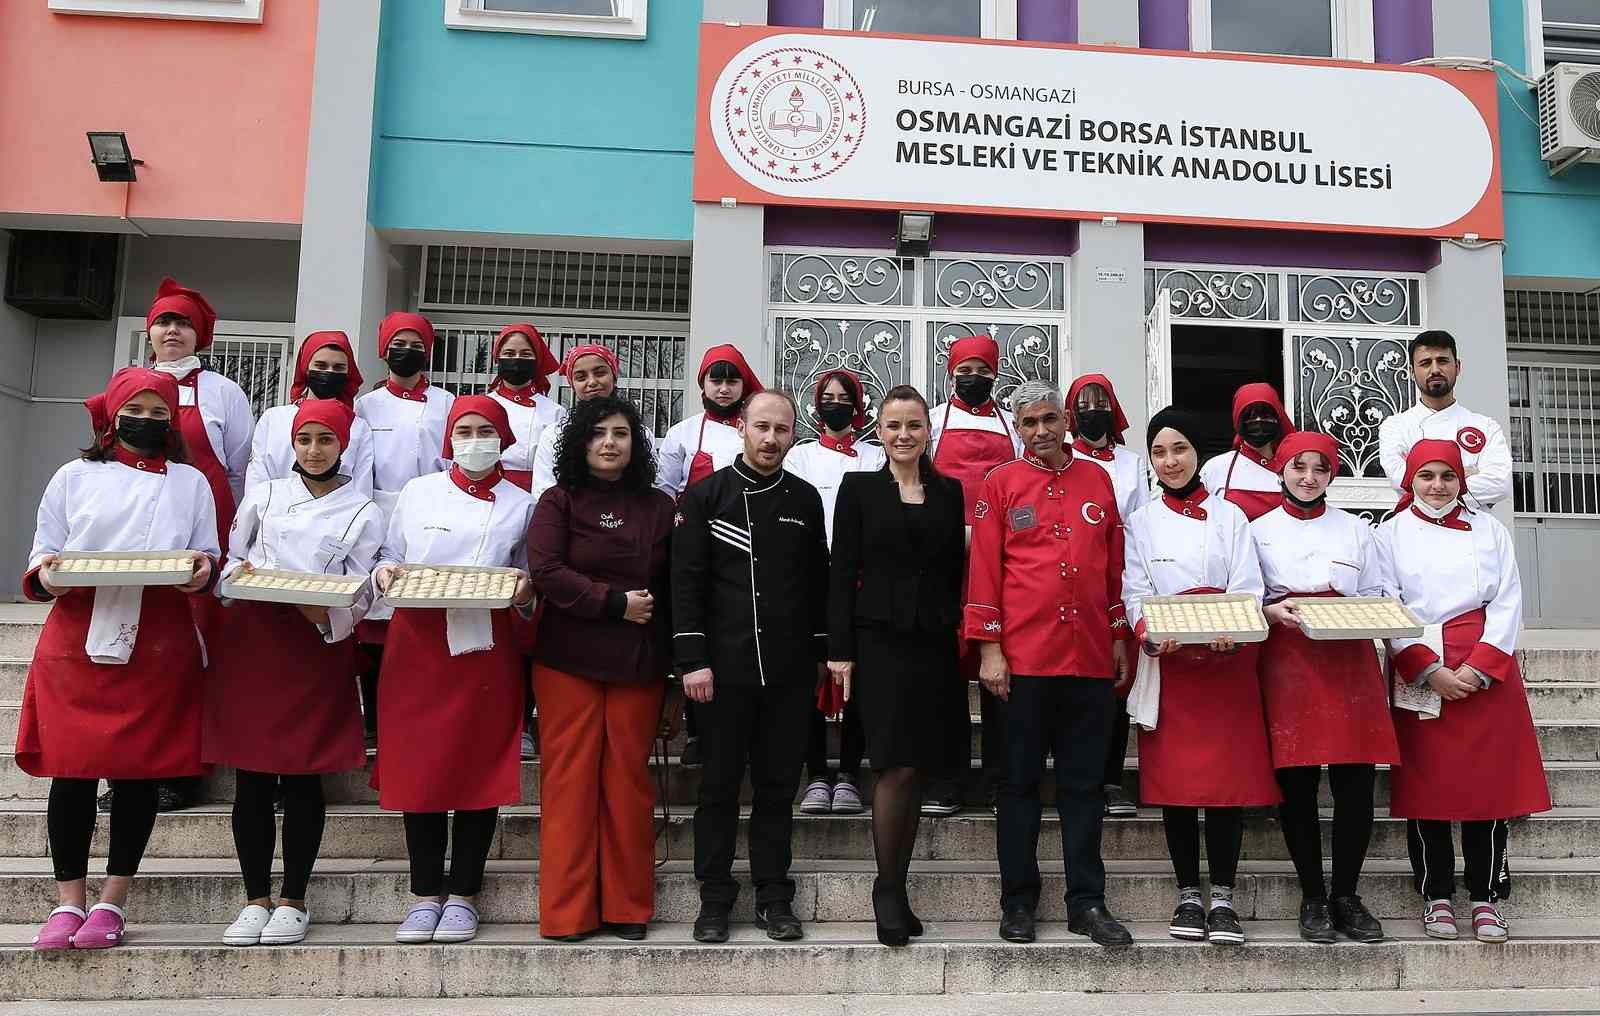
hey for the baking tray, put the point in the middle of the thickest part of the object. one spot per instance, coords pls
(1374, 629)
(409, 588)
(1248, 609)
(146, 568)
(302, 589)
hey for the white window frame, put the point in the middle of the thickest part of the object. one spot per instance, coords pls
(133, 346)
(999, 17)
(1533, 36)
(628, 23)
(232, 11)
(1351, 22)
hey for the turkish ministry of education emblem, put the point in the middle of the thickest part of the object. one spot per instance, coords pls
(795, 114)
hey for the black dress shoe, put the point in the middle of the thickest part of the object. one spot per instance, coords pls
(712, 924)
(1316, 925)
(1016, 925)
(890, 915)
(1353, 920)
(779, 921)
(170, 798)
(627, 932)
(1101, 927)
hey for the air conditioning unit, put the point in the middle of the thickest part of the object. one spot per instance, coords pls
(63, 275)
(1569, 115)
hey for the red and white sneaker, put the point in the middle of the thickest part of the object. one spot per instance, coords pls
(1487, 924)
(1439, 919)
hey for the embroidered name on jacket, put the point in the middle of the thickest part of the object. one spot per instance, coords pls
(608, 520)
(786, 518)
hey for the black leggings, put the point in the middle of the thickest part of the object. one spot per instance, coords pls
(852, 744)
(1483, 849)
(255, 831)
(371, 661)
(1352, 825)
(1224, 836)
(427, 835)
(70, 818)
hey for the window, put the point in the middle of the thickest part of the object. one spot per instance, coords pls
(180, 10)
(256, 355)
(1317, 28)
(1562, 31)
(1553, 339)
(977, 19)
(606, 19)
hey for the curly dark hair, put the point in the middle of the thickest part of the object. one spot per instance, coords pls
(572, 448)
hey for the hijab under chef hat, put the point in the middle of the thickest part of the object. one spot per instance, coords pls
(727, 353)
(544, 362)
(1306, 441)
(979, 347)
(1181, 420)
(400, 321)
(331, 413)
(485, 407)
(123, 386)
(1259, 393)
(172, 298)
(852, 384)
(302, 362)
(577, 353)
(1434, 450)
(1119, 422)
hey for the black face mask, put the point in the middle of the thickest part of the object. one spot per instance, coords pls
(837, 416)
(720, 412)
(1259, 433)
(326, 384)
(332, 471)
(144, 433)
(1303, 505)
(1094, 424)
(516, 371)
(1184, 491)
(404, 361)
(974, 389)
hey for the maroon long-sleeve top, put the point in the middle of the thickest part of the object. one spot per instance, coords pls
(587, 547)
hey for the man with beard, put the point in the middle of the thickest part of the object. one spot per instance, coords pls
(1435, 367)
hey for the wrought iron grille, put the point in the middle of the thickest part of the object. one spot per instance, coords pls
(1214, 294)
(519, 279)
(1539, 317)
(1555, 438)
(257, 363)
(1346, 386)
(1355, 299)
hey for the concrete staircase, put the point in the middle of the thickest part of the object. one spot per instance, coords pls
(189, 889)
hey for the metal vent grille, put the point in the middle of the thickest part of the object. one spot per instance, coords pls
(1546, 318)
(518, 279)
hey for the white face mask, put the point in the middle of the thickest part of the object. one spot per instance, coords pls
(476, 454)
(178, 368)
(1436, 513)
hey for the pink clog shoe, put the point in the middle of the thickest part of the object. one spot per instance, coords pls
(58, 929)
(103, 929)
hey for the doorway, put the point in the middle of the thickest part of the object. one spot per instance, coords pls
(1209, 363)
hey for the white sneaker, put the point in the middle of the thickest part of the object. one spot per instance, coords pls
(247, 927)
(288, 926)
(818, 799)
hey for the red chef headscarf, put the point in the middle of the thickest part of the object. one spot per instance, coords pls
(172, 298)
(981, 347)
(577, 353)
(302, 363)
(401, 321)
(1434, 450)
(485, 407)
(545, 363)
(731, 354)
(852, 384)
(1119, 422)
(124, 385)
(1306, 441)
(331, 413)
(1259, 393)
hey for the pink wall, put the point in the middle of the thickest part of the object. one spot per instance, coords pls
(219, 112)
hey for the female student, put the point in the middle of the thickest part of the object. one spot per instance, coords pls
(324, 369)
(597, 551)
(1468, 751)
(1327, 702)
(841, 410)
(452, 689)
(591, 371)
(699, 445)
(1245, 475)
(281, 705)
(1204, 744)
(523, 365)
(893, 604)
(114, 688)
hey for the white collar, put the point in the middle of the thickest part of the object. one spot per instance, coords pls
(179, 368)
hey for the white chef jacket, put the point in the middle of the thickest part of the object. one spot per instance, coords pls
(953, 416)
(528, 423)
(1484, 451)
(1330, 553)
(1130, 477)
(272, 451)
(225, 409)
(824, 468)
(407, 438)
(721, 441)
(1167, 553)
(281, 525)
(1248, 474)
(544, 457)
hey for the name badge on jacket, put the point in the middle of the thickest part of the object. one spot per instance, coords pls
(1023, 518)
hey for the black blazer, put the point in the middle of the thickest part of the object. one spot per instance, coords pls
(880, 577)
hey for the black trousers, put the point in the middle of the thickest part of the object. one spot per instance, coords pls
(1117, 745)
(1065, 716)
(1483, 849)
(255, 830)
(371, 661)
(70, 818)
(852, 744)
(763, 728)
(427, 835)
(1224, 837)
(1352, 824)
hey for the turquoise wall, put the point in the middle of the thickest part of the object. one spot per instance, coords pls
(511, 133)
(1552, 224)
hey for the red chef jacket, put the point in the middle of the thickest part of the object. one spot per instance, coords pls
(1045, 569)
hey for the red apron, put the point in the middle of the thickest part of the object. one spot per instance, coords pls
(521, 477)
(449, 727)
(204, 458)
(1254, 503)
(968, 455)
(135, 721)
(1327, 701)
(278, 699)
(1480, 759)
(1209, 748)
(701, 465)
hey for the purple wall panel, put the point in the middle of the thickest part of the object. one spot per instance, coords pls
(828, 227)
(1047, 20)
(1164, 24)
(1402, 30)
(1295, 248)
(795, 13)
